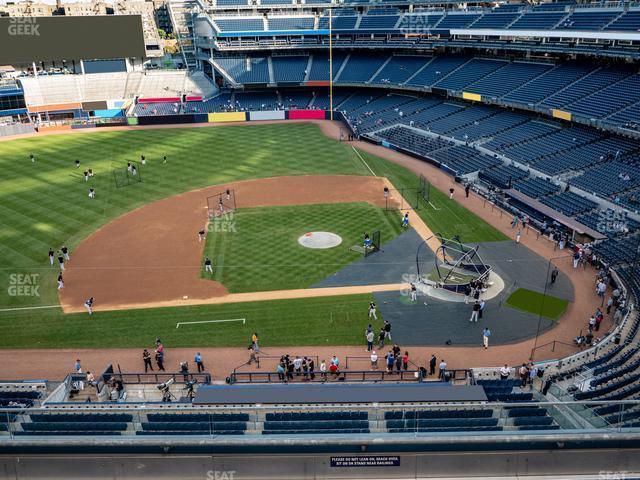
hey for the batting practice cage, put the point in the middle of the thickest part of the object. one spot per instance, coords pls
(453, 266)
(221, 203)
(370, 244)
(128, 175)
(408, 198)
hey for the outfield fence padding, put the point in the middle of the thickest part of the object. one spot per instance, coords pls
(269, 115)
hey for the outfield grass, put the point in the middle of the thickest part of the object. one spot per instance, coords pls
(262, 252)
(533, 302)
(45, 205)
(311, 321)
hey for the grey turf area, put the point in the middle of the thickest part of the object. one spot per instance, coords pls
(439, 321)
(394, 263)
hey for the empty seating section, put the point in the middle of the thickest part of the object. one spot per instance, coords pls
(499, 121)
(609, 178)
(588, 20)
(503, 391)
(441, 420)
(23, 397)
(243, 70)
(320, 66)
(558, 141)
(628, 118)
(291, 23)
(153, 109)
(256, 101)
(412, 140)
(399, 69)
(460, 118)
(464, 160)
(289, 69)
(360, 69)
(437, 69)
(75, 424)
(495, 20)
(377, 22)
(469, 73)
(610, 99)
(230, 3)
(502, 176)
(538, 20)
(569, 203)
(296, 100)
(548, 83)
(508, 78)
(248, 24)
(338, 22)
(599, 221)
(458, 20)
(292, 423)
(419, 23)
(628, 22)
(194, 424)
(587, 85)
(536, 187)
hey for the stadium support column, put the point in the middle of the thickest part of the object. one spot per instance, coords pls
(35, 70)
(330, 64)
(82, 66)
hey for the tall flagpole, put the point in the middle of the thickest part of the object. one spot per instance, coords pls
(330, 65)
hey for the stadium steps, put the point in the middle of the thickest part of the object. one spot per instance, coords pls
(528, 82)
(342, 67)
(309, 64)
(614, 19)
(571, 85)
(265, 24)
(559, 22)
(375, 74)
(508, 26)
(623, 79)
(224, 73)
(418, 71)
(358, 21)
(272, 75)
(453, 72)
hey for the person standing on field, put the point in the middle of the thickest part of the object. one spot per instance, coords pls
(372, 311)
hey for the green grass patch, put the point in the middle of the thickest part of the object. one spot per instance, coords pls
(312, 321)
(533, 302)
(451, 218)
(261, 251)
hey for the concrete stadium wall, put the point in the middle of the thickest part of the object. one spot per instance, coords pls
(598, 463)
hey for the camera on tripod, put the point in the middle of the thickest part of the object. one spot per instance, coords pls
(164, 388)
(189, 387)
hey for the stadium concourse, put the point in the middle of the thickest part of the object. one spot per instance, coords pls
(221, 361)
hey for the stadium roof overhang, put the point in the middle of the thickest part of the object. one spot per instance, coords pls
(555, 34)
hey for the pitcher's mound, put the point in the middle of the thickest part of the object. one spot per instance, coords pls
(320, 240)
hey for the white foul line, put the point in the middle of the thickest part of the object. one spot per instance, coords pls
(28, 308)
(363, 161)
(434, 207)
(243, 320)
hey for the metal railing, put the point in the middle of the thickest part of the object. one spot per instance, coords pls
(321, 377)
(162, 377)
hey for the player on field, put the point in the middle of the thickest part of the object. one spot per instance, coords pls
(89, 305)
(60, 282)
(207, 265)
(51, 256)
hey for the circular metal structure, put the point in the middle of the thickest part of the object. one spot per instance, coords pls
(320, 240)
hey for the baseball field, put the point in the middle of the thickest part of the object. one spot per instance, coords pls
(45, 205)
